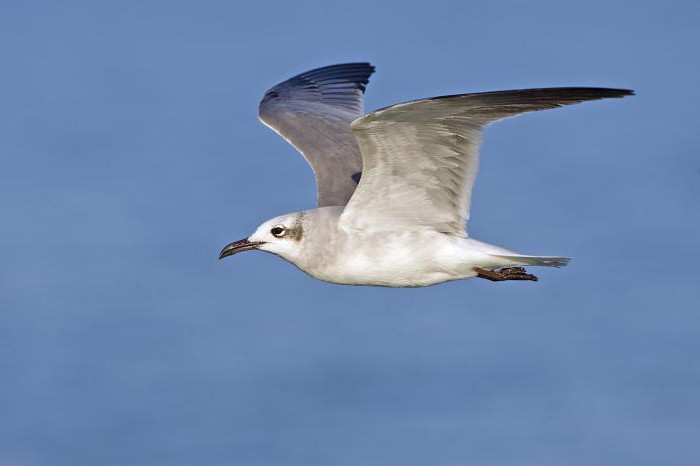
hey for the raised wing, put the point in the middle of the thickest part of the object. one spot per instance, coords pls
(420, 158)
(313, 112)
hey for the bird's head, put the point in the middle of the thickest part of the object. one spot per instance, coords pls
(281, 235)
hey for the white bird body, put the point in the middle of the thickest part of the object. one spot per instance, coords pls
(404, 259)
(328, 251)
(394, 186)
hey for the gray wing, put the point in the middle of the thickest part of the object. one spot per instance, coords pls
(313, 112)
(420, 158)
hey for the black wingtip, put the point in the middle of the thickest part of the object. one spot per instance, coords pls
(582, 93)
(605, 92)
(340, 85)
(357, 73)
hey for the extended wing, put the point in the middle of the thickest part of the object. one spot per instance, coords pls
(420, 158)
(313, 111)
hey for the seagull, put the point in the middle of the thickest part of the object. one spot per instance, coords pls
(393, 186)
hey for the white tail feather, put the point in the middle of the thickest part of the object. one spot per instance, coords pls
(545, 261)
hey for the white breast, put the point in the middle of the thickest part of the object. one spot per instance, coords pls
(395, 259)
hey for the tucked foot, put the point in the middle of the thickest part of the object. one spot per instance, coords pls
(506, 273)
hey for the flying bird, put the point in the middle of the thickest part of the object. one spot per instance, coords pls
(393, 186)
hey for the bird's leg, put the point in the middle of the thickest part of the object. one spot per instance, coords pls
(506, 273)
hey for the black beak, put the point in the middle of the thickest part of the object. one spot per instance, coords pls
(238, 246)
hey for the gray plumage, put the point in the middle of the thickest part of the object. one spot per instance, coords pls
(313, 111)
(420, 158)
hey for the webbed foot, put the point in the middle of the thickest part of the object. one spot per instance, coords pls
(506, 273)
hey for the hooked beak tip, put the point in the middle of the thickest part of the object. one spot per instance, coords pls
(238, 246)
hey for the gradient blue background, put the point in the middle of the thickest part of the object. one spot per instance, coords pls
(131, 153)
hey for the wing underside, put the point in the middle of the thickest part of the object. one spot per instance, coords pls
(420, 158)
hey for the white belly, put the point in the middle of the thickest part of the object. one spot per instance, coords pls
(403, 260)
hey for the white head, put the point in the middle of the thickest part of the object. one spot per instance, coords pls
(281, 235)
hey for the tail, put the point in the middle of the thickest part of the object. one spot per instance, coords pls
(544, 261)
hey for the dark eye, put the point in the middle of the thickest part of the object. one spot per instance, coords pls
(278, 231)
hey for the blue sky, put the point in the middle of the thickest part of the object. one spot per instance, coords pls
(131, 154)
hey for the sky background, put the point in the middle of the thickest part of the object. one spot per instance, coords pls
(131, 153)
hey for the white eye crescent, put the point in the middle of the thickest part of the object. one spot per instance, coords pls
(278, 231)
